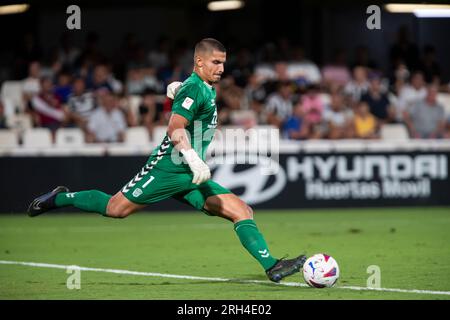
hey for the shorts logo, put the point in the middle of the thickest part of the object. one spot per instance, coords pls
(187, 103)
(137, 192)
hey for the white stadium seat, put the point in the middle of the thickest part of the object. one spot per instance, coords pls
(69, 137)
(137, 136)
(395, 131)
(37, 138)
(20, 122)
(8, 139)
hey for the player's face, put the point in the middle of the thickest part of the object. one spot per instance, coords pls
(213, 66)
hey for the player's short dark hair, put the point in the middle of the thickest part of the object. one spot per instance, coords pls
(208, 45)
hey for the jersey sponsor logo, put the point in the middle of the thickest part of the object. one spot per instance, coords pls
(187, 103)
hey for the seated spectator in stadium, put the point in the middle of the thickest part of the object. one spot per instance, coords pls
(103, 79)
(378, 101)
(302, 70)
(32, 84)
(159, 57)
(365, 124)
(81, 104)
(313, 107)
(63, 88)
(47, 108)
(337, 118)
(150, 111)
(426, 118)
(411, 94)
(295, 127)
(357, 86)
(107, 123)
(140, 79)
(337, 72)
(279, 105)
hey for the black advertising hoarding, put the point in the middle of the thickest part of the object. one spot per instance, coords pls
(344, 180)
(303, 180)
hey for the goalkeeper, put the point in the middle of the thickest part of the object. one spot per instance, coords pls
(177, 168)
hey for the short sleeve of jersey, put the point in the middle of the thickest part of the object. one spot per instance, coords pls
(187, 101)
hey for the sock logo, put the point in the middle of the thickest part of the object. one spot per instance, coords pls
(70, 195)
(264, 253)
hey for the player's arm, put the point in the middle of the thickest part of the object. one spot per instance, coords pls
(177, 134)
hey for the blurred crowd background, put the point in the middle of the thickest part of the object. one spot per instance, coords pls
(352, 95)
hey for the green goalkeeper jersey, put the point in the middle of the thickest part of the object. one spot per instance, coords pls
(196, 101)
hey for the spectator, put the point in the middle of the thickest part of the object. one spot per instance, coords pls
(426, 118)
(81, 104)
(302, 70)
(67, 54)
(159, 58)
(378, 101)
(140, 79)
(357, 86)
(337, 72)
(411, 94)
(150, 111)
(48, 112)
(279, 105)
(365, 124)
(107, 123)
(32, 84)
(63, 88)
(337, 118)
(103, 79)
(313, 107)
(295, 127)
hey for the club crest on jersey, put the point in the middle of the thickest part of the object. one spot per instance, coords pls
(137, 192)
(187, 103)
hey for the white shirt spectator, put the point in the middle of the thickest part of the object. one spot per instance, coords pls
(279, 106)
(355, 90)
(306, 70)
(106, 126)
(337, 118)
(31, 86)
(408, 97)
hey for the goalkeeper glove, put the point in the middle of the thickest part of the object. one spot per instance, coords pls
(198, 167)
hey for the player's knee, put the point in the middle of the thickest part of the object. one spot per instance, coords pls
(245, 214)
(116, 210)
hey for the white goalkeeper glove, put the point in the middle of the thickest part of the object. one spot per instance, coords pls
(198, 167)
(173, 88)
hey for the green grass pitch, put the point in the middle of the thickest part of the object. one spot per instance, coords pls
(410, 245)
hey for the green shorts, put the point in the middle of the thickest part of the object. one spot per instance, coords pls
(152, 185)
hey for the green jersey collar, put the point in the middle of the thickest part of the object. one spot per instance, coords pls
(194, 74)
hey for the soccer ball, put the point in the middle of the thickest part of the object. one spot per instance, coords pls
(320, 271)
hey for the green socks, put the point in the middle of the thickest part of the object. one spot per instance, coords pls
(91, 200)
(254, 242)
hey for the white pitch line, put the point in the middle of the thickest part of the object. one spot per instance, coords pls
(176, 276)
